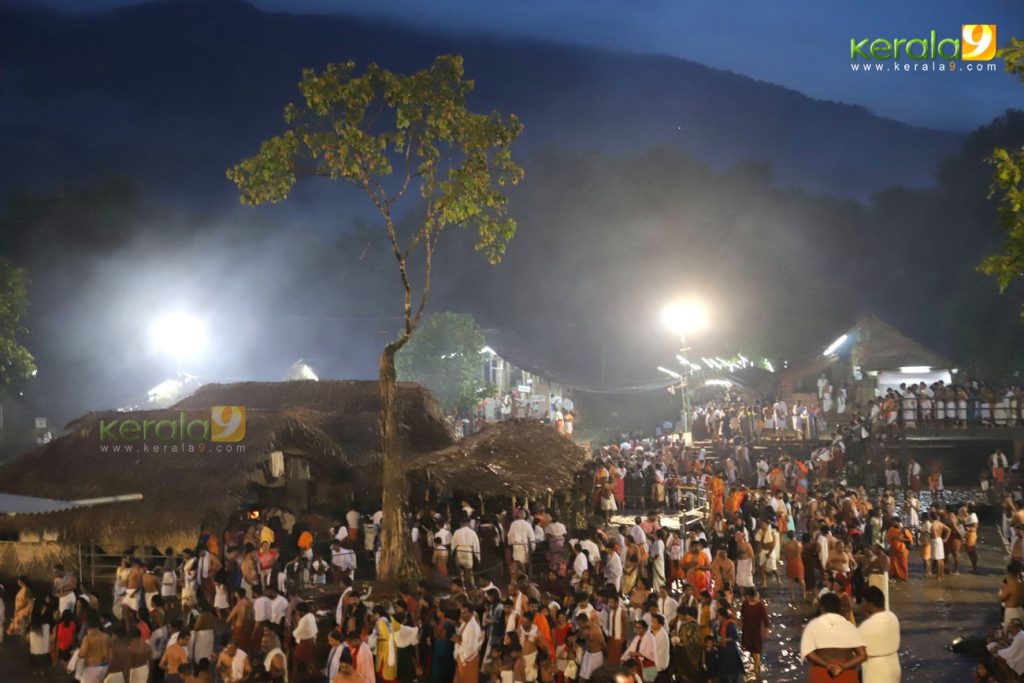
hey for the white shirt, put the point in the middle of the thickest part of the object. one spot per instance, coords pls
(466, 539)
(613, 570)
(306, 629)
(668, 607)
(662, 648)
(646, 645)
(658, 549)
(579, 565)
(520, 533)
(881, 633)
(344, 558)
(261, 609)
(555, 530)
(829, 631)
(470, 645)
(638, 535)
(278, 609)
(823, 549)
(1014, 653)
(592, 549)
(352, 519)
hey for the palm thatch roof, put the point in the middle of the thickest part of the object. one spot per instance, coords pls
(183, 486)
(348, 410)
(515, 457)
(333, 424)
(876, 345)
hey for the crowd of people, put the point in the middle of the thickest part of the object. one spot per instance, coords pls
(517, 596)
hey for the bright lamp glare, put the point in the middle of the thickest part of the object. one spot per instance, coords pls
(834, 345)
(684, 317)
(178, 334)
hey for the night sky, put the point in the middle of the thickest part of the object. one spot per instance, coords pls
(801, 44)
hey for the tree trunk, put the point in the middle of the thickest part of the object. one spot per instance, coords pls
(396, 560)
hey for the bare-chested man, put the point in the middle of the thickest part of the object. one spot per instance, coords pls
(1012, 593)
(723, 570)
(940, 534)
(240, 619)
(140, 655)
(94, 653)
(150, 587)
(792, 554)
(118, 657)
(233, 664)
(592, 638)
(175, 659)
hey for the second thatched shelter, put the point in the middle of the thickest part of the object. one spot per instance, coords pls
(516, 458)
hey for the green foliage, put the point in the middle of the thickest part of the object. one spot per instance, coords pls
(15, 360)
(444, 356)
(1013, 56)
(379, 126)
(1008, 182)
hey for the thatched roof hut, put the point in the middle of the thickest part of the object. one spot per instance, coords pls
(184, 485)
(317, 429)
(346, 409)
(512, 458)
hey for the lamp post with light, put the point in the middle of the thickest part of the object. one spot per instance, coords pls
(684, 318)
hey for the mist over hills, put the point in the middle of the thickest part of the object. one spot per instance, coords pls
(172, 92)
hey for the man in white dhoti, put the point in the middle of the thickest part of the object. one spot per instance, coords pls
(591, 637)
(881, 633)
(522, 539)
(781, 413)
(878, 571)
(466, 546)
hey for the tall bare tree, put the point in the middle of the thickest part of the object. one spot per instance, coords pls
(411, 146)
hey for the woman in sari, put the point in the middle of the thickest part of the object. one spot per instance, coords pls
(23, 603)
(686, 653)
(899, 541)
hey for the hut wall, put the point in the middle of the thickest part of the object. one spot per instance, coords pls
(35, 560)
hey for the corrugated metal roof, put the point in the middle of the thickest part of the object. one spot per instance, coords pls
(13, 504)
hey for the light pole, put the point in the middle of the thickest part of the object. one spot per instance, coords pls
(684, 318)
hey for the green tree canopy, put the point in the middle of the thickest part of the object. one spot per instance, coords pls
(444, 356)
(15, 360)
(1008, 183)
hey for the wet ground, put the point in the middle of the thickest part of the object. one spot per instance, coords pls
(932, 614)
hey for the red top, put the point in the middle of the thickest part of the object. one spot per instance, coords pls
(66, 636)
